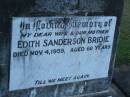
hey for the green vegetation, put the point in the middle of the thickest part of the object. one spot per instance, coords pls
(123, 51)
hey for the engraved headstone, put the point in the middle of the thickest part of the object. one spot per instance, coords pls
(60, 48)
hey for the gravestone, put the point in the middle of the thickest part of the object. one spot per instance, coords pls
(59, 48)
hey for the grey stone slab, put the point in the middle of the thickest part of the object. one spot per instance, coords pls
(115, 91)
(122, 78)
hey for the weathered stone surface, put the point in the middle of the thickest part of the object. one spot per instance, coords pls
(115, 91)
(4, 61)
(122, 78)
(54, 8)
(70, 6)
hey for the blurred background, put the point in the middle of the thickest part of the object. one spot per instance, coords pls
(122, 71)
(123, 50)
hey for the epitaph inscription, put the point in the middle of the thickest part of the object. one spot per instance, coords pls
(56, 50)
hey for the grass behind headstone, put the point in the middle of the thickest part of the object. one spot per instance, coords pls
(123, 51)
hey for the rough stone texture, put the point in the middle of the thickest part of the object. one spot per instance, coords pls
(11, 8)
(115, 91)
(4, 63)
(122, 78)
(70, 6)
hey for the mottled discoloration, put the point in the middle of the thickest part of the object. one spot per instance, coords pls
(54, 8)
